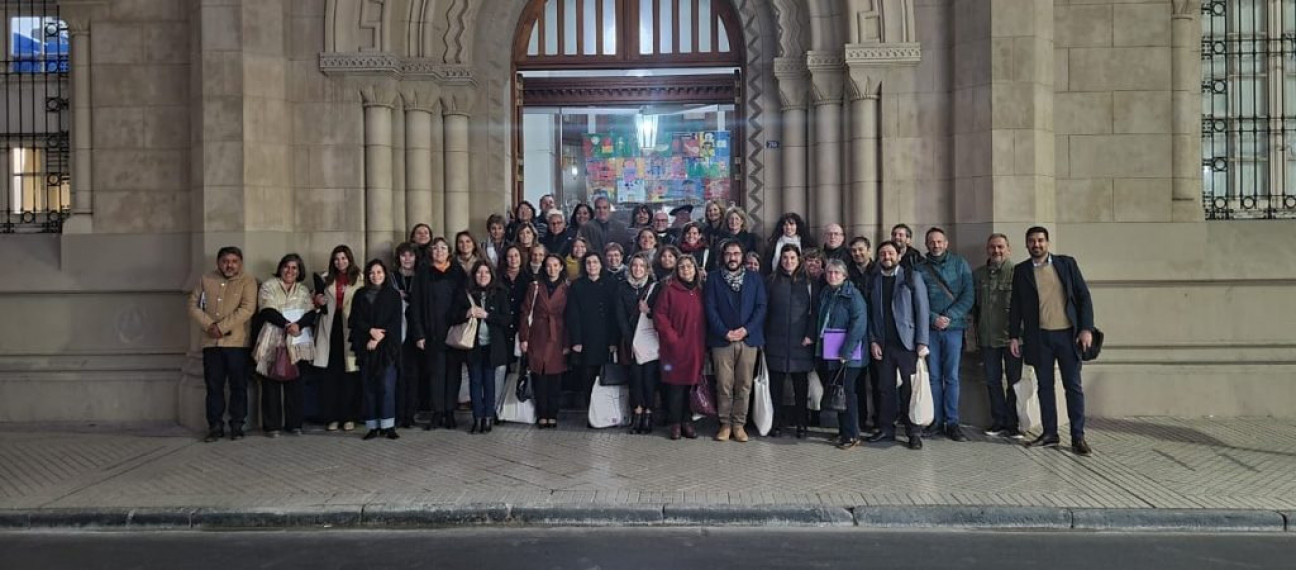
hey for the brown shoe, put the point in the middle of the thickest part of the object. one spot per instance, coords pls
(723, 434)
(675, 431)
(1081, 448)
(740, 434)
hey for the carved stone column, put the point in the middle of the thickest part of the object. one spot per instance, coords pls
(827, 82)
(420, 106)
(456, 105)
(865, 134)
(78, 15)
(794, 91)
(1185, 72)
(379, 222)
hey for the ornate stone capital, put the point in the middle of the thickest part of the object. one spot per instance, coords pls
(865, 83)
(421, 96)
(390, 65)
(458, 100)
(827, 76)
(381, 93)
(883, 54)
(793, 82)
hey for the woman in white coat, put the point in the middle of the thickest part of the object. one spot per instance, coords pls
(339, 400)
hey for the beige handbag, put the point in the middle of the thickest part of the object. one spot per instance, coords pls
(463, 335)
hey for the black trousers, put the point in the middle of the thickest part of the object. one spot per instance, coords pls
(222, 365)
(413, 363)
(281, 404)
(800, 393)
(548, 395)
(677, 404)
(339, 389)
(643, 384)
(867, 389)
(444, 370)
(896, 358)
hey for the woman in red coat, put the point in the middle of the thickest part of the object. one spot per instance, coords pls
(681, 326)
(542, 336)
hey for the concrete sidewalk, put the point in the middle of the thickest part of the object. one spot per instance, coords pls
(1146, 474)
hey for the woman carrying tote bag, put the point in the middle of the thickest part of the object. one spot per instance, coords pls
(483, 299)
(635, 298)
(790, 337)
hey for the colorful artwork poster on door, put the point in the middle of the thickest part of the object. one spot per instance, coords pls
(692, 168)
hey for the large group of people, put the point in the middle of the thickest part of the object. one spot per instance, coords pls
(561, 295)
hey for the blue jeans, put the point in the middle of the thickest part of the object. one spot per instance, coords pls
(379, 399)
(1003, 404)
(1059, 346)
(481, 383)
(943, 365)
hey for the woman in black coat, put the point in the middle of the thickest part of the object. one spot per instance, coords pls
(590, 325)
(636, 295)
(435, 285)
(483, 298)
(789, 336)
(376, 340)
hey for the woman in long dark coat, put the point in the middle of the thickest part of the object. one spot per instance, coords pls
(490, 305)
(543, 338)
(681, 325)
(435, 285)
(591, 327)
(376, 340)
(789, 337)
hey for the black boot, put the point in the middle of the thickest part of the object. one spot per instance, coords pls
(486, 425)
(390, 433)
(636, 422)
(434, 421)
(450, 422)
(647, 422)
(370, 435)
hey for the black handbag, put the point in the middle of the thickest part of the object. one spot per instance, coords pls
(614, 374)
(836, 392)
(1095, 348)
(524, 391)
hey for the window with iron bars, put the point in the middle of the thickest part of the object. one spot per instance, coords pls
(1248, 101)
(34, 143)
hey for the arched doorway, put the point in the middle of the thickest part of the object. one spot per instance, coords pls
(637, 100)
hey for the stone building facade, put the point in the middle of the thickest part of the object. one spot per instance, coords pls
(295, 125)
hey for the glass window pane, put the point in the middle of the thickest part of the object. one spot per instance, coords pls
(590, 19)
(645, 27)
(609, 27)
(569, 27)
(666, 26)
(551, 27)
(533, 46)
(704, 26)
(686, 25)
(724, 38)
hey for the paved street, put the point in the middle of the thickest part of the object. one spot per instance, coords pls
(1139, 463)
(642, 548)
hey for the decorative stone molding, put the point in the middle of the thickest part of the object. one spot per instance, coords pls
(826, 76)
(386, 64)
(793, 23)
(379, 94)
(458, 100)
(793, 79)
(864, 84)
(883, 54)
(1185, 8)
(420, 97)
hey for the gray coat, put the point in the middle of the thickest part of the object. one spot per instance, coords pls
(789, 318)
(908, 306)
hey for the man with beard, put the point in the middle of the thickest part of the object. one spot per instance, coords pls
(735, 307)
(993, 284)
(950, 296)
(902, 235)
(834, 244)
(898, 333)
(1051, 320)
(862, 270)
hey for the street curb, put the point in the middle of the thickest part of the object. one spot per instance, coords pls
(1178, 520)
(379, 515)
(756, 515)
(959, 516)
(432, 515)
(577, 514)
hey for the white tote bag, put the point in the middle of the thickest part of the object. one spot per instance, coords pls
(501, 379)
(512, 410)
(646, 345)
(816, 390)
(762, 404)
(1028, 412)
(609, 405)
(921, 412)
(465, 394)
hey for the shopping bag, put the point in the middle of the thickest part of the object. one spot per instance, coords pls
(1027, 390)
(462, 336)
(702, 398)
(609, 405)
(501, 379)
(514, 410)
(816, 390)
(465, 383)
(762, 403)
(283, 369)
(921, 412)
(614, 374)
(646, 345)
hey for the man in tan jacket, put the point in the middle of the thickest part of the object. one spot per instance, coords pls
(223, 305)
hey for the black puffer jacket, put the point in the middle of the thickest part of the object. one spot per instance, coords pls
(789, 318)
(590, 319)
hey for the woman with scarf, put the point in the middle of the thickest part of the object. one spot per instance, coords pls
(526, 239)
(340, 389)
(412, 362)
(435, 285)
(514, 278)
(288, 312)
(841, 313)
(543, 338)
(680, 322)
(646, 243)
(789, 337)
(636, 295)
(790, 229)
(574, 263)
(493, 245)
(590, 328)
(482, 298)
(693, 242)
(466, 252)
(614, 254)
(376, 340)
(420, 237)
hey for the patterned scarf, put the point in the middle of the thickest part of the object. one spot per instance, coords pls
(735, 279)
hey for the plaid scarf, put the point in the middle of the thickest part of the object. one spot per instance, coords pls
(735, 279)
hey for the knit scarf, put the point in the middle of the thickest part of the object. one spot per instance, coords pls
(735, 279)
(637, 284)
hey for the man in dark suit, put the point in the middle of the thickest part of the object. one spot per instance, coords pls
(1050, 320)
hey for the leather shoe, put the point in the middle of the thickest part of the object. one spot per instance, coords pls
(801, 432)
(688, 430)
(915, 442)
(880, 436)
(370, 435)
(955, 433)
(214, 435)
(236, 434)
(1043, 441)
(1081, 447)
(931, 431)
(675, 431)
(487, 424)
(847, 443)
(390, 433)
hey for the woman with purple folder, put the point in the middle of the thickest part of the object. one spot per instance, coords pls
(843, 325)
